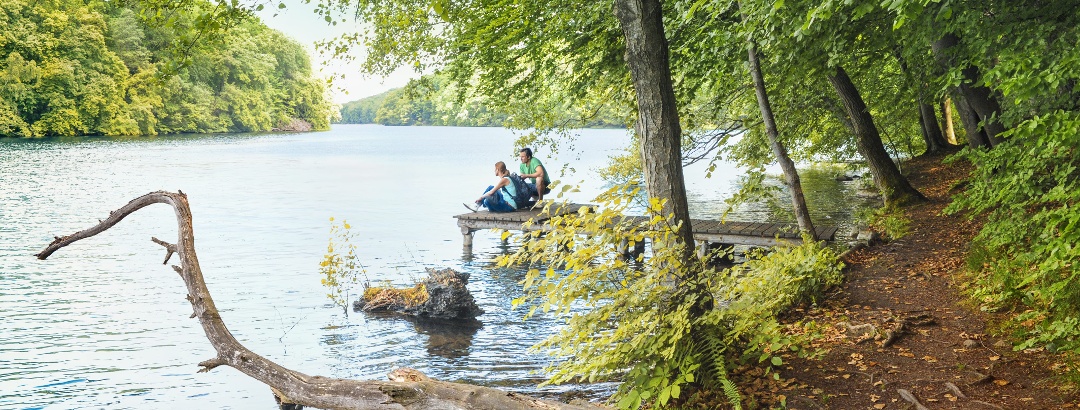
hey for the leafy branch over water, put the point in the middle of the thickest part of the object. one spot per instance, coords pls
(660, 325)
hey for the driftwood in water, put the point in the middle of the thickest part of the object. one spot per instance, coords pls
(289, 385)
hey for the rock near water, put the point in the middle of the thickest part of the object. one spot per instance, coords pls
(442, 295)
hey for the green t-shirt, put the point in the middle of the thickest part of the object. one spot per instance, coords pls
(530, 168)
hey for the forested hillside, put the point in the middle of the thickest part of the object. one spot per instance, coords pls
(70, 67)
(433, 100)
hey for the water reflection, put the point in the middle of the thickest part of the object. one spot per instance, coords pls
(450, 339)
(830, 198)
(446, 338)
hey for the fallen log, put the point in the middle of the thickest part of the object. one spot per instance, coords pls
(290, 386)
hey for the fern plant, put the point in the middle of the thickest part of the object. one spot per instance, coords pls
(710, 349)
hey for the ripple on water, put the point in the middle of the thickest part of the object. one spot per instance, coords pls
(103, 324)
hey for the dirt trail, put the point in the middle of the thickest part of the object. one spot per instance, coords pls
(942, 357)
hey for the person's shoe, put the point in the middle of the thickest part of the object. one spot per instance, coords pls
(469, 207)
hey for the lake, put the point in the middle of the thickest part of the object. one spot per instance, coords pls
(103, 323)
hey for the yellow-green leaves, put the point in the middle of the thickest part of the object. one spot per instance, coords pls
(640, 320)
(439, 7)
(340, 272)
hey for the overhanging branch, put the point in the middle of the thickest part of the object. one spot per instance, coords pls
(299, 388)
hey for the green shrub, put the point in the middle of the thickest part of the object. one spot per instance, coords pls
(659, 323)
(1025, 257)
(890, 221)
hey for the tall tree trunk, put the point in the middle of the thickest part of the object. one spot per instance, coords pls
(946, 121)
(798, 201)
(976, 136)
(935, 142)
(928, 126)
(892, 184)
(979, 97)
(658, 117)
(407, 390)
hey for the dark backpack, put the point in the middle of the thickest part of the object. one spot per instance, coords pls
(522, 189)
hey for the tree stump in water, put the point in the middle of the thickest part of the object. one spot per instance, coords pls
(442, 295)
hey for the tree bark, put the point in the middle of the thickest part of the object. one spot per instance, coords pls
(979, 97)
(798, 201)
(976, 136)
(947, 122)
(935, 142)
(289, 385)
(928, 126)
(658, 117)
(892, 184)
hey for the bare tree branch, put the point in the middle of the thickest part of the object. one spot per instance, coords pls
(289, 385)
(168, 247)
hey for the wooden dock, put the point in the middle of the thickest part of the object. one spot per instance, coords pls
(706, 232)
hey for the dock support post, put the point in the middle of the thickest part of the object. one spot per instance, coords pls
(702, 249)
(639, 248)
(467, 237)
(623, 249)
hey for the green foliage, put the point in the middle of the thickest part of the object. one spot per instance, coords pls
(539, 59)
(659, 323)
(341, 272)
(890, 221)
(544, 67)
(1028, 189)
(1023, 261)
(436, 100)
(77, 68)
(362, 111)
(625, 167)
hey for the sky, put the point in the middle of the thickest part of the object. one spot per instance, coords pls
(299, 21)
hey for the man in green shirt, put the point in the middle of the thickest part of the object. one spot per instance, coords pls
(532, 168)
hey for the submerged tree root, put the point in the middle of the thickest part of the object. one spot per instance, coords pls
(289, 386)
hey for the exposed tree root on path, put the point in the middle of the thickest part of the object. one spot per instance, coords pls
(928, 341)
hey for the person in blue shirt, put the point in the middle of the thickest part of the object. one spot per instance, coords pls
(532, 168)
(498, 197)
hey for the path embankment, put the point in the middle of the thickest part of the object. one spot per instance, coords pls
(901, 330)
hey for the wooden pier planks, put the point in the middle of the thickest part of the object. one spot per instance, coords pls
(710, 231)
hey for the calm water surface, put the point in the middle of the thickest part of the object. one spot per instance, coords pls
(103, 323)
